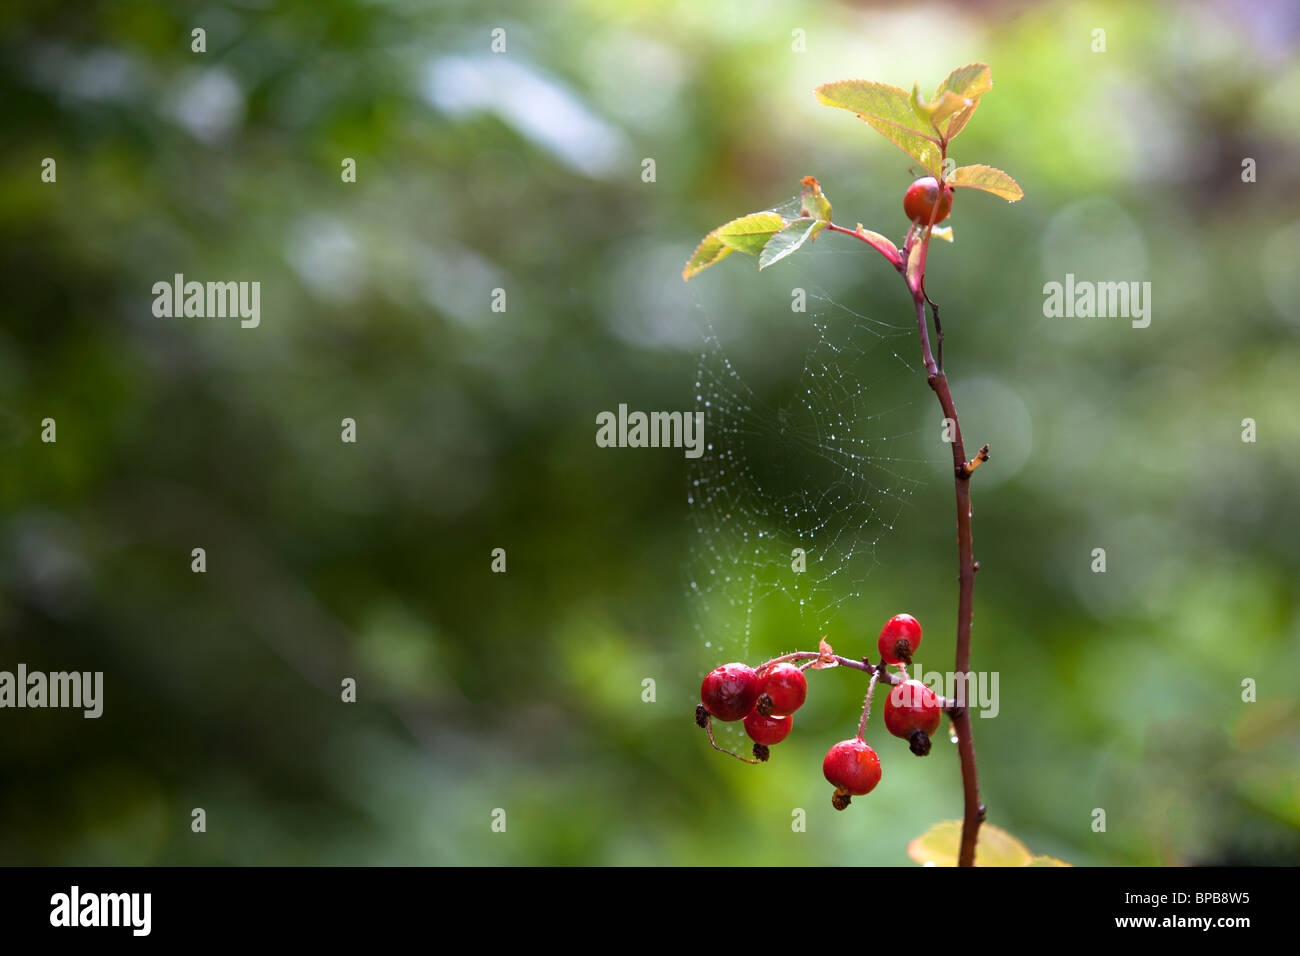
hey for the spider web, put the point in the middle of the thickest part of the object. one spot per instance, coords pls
(826, 468)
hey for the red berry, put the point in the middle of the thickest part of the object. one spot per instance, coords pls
(767, 730)
(852, 766)
(912, 712)
(729, 691)
(900, 628)
(920, 199)
(787, 687)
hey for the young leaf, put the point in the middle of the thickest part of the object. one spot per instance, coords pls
(789, 239)
(709, 251)
(812, 202)
(969, 82)
(888, 110)
(939, 846)
(825, 656)
(987, 178)
(945, 105)
(920, 108)
(932, 114)
(749, 234)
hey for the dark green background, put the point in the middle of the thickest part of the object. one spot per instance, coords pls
(522, 691)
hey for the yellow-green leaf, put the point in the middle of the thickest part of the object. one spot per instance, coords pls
(888, 110)
(789, 239)
(987, 178)
(709, 251)
(1046, 861)
(920, 108)
(932, 114)
(749, 234)
(940, 845)
(945, 105)
(969, 82)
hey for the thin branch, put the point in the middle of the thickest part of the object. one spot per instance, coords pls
(862, 665)
(938, 326)
(931, 368)
(866, 704)
(878, 672)
(938, 381)
(913, 271)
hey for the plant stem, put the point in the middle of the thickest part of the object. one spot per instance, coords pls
(911, 265)
(866, 704)
(877, 672)
(962, 469)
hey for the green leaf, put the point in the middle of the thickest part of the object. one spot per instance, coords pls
(888, 110)
(920, 108)
(1046, 861)
(970, 82)
(812, 202)
(932, 114)
(987, 178)
(709, 251)
(946, 105)
(939, 846)
(789, 239)
(749, 234)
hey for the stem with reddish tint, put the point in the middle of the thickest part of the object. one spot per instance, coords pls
(973, 814)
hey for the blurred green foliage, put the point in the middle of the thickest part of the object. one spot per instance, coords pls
(522, 170)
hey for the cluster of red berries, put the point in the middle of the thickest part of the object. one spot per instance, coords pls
(766, 699)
